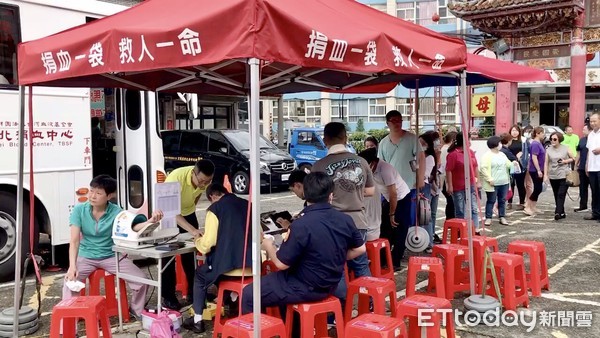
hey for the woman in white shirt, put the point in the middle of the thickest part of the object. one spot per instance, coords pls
(431, 189)
(395, 220)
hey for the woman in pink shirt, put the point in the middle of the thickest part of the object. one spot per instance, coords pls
(455, 180)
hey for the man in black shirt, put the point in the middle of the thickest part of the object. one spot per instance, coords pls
(584, 180)
(312, 257)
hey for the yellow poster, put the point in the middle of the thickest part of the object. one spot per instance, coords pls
(483, 105)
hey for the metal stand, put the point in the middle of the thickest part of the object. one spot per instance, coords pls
(483, 304)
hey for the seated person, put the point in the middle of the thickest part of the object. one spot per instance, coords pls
(311, 260)
(223, 246)
(91, 241)
(296, 186)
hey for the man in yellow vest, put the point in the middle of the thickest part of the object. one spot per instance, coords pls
(193, 181)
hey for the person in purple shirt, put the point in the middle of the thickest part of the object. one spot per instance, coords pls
(535, 168)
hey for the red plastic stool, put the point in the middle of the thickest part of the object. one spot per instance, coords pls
(112, 308)
(243, 326)
(457, 228)
(480, 243)
(513, 267)
(375, 326)
(433, 266)
(410, 306)
(91, 308)
(374, 249)
(234, 285)
(455, 279)
(370, 287)
(267, 267)
(537, 277)
(313, 318)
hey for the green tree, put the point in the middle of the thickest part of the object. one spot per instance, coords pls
(360, 126)
(348, 129)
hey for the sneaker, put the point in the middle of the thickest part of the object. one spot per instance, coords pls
(488, 222)
(591, 218)
(580, 209)
(556, 217)
(198, 327)
(563, 216)
(437, 239)
(503, 221)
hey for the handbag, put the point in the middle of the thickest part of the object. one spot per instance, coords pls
(573, 178)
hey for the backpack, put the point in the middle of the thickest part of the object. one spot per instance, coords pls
(162, 327)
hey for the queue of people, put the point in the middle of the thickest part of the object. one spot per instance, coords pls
(348, 199)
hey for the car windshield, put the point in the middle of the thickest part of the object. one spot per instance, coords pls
(241, 140)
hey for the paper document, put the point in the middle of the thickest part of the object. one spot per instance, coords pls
(168, 200)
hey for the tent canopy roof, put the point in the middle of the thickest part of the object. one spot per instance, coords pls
(202, 46)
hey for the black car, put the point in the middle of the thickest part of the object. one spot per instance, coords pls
(229, 150)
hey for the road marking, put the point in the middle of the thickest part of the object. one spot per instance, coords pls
(558, 334)
(570, 294)
(559, 298)
(512, 232)
(564, 262)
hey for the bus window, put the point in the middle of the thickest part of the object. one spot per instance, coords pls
(118, 107)
(135, 178)
(10, 36)
(133, 109)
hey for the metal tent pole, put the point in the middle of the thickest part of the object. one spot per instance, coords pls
(467, 167)
(254, 117)
(19, 225)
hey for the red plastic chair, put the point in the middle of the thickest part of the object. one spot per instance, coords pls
(375, 326)
(537, 277)
(313, 317)
(91, 308)
(112, 308)
(242, 327)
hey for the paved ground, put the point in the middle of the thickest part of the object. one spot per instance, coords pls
(573, 247)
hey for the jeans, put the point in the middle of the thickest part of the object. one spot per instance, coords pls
(189, 266)
(595, 185)
(360, 264)
(459, 204)
(434, 205)
(450, 213)
(402, 216)
(519, 181)
(426, 191)
(499, 193)
(584, 185)
(559, 188)
(537, 186)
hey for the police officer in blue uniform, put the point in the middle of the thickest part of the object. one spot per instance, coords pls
(311, 260)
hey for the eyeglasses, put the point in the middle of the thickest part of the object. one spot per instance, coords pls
(395, 120)
(202, 182)
(554, 139)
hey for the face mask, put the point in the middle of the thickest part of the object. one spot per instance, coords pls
(500, 146)
(527, 135)
(436, 143)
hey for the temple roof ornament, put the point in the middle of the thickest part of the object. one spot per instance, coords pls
(518, 18)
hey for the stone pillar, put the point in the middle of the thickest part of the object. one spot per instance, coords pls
(577, 80)
(325, 108)
(506, 104)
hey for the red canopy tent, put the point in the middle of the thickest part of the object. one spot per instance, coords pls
(202, 47)
(240, 47)
(483, 70)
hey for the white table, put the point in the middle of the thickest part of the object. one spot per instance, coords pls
(150, 252)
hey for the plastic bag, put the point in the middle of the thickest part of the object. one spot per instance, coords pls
(162, 327)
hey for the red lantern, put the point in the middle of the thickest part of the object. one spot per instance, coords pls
(435, 17)
(590, 57)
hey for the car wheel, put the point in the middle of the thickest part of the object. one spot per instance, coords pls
(8, 240)
(241, 183)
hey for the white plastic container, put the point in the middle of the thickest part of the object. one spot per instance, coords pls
(149, 317)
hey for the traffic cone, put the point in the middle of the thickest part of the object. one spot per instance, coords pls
(226, 183)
